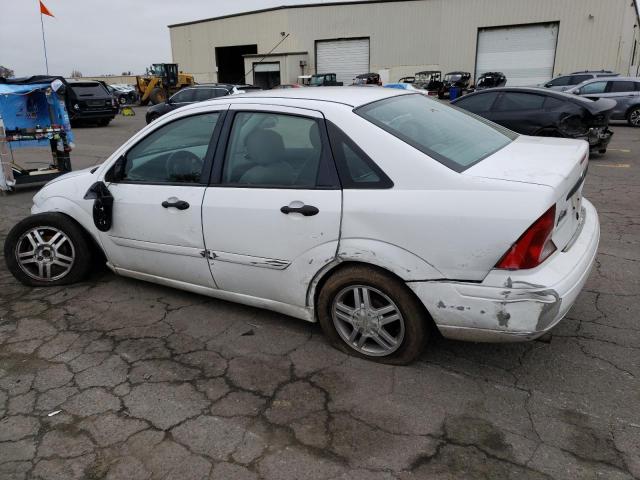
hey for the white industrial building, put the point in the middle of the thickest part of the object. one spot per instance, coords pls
(530, 41)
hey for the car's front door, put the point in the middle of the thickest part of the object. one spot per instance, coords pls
(271, 218)
(624, 93)
(157, 224)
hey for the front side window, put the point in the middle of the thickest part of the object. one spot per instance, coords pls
(184, 96)
(595, 87)
(480, 102)
(174, 153)
(452, 137)
(559, 82)
(520, 101)
(576, 79)
(273, 150)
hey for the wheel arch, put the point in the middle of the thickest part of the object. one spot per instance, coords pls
(321, 278)
(76, 214)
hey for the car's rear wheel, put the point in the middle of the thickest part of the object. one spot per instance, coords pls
(633, 117)
(47, 249)
(123, 100)
(368, 313)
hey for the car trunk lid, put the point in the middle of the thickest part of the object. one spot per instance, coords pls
(560, 164)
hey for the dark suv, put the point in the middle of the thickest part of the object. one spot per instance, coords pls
(187, 96)
(89, 101)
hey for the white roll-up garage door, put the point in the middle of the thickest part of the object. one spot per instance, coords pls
(525, 54)
(346, 58)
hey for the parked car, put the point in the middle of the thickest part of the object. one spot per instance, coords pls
(123, 95)
(367, 79)
(429, 80)
(89, 101)
(407, 80)
(379, 213)
(454, 79)
(624, 90)
(324, 80)
(491, 80)
(406, 86)
(565, 82)
(542, 112)
(187, 96)
(288, 85)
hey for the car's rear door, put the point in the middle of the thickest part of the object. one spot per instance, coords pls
(624, 93)
(522, 112)
(271, 217)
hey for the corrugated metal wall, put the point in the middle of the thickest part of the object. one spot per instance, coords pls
(409, 36)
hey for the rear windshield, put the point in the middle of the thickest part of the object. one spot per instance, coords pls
(89, 90)
(455, 138)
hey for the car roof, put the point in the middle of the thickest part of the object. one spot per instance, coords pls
(570, 97)
(351, 96)
(611, 79)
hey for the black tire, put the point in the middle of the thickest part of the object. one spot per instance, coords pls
(633, 117)
(122, 100)
(81, 249)
(416, 320)
(104, 123)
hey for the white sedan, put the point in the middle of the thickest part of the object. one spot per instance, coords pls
(381, 214)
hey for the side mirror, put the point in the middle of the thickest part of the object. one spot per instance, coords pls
(102, 205)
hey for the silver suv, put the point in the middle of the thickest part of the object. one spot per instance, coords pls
(565, 82)
(624, 90)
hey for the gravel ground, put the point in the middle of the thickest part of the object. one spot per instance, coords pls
(119, 379)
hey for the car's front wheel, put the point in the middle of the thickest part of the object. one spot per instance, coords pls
(633, 117)
(368, 313)
(47, 249)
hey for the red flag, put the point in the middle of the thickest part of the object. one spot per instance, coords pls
(44, 10)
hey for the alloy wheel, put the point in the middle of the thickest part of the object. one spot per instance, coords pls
(634, 118)
(45, 253)
(368, 320)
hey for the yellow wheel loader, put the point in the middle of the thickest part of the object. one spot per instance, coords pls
(160, 82)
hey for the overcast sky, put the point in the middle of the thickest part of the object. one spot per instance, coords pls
(100, 37)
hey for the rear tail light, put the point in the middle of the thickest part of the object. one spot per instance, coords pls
(533, 247)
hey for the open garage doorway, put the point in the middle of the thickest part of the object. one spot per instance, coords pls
(230, 62)
(266, 75)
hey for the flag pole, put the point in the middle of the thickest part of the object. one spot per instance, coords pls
(44, 43)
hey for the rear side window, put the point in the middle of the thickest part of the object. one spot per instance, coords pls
(622, 86)
(184, 96)
(355, 168)
(552, 103)
(480, 102)
(520, 101)
(450, 136)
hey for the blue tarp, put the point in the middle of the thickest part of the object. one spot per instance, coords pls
(27, 106)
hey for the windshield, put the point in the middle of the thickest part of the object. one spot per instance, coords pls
(453, 78)
(89, 90)
(451, 136)
(317, 79)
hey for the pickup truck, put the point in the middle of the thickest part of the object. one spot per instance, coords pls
(324, 80)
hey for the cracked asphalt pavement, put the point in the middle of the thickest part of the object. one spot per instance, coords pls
(119, 379)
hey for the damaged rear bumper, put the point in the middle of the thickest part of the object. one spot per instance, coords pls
(598, 138)
(512, 306)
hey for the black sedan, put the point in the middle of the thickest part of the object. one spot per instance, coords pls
(542, 112)
(187, 96)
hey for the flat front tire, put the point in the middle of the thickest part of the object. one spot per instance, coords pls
(46, 250)
(371, 314)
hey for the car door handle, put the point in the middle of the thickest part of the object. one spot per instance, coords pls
(179, 204)
(306, 210)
